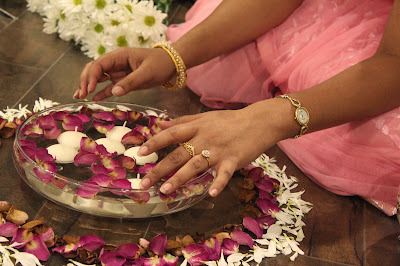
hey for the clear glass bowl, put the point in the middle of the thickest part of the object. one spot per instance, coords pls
(108, 201)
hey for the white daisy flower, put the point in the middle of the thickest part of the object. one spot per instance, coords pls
(71, 6)
(122, 35)
(94, 44)
(54, 19)
(96, 8)
(74, 27)
(37, 6)
(149, 20)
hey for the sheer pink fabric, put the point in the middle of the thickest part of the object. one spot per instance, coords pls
(320, 39)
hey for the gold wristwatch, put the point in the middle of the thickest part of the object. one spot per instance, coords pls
(301, 114)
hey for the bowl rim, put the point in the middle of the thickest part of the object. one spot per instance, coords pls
(18, 148)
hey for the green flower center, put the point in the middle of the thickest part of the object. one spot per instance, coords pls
(101, 50)
(77, 2)
(100, 4)
(98, 28)
(142, 40)
(62, 15)
(129, 7)
(114, 22)
(149, 21)
(121, 41)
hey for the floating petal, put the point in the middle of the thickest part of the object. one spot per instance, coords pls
(253, 226)
(242, 238)
(88, 145)
(145, 131)
(127, 163)
(109, 163)
(102, 128)
(42, 155)
(87, 190)
(85, 158)
(101, 180)
(104, 116)
(58, 182)
(91, 242)
(59, 115)
(158, 244)
(52, 133)
(130, 251)
(99, 169)
(84, 118)
(140, 197)
(133, 137)
(72, 127)
(146, 168)
(37, 247)
(47, 122)
(85, 110)
(118, 173)
(120, 115)
(121, 183)
(32, 130)
(167, 197)
(133, 116)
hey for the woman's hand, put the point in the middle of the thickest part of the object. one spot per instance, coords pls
(128, 69)
(234, 138)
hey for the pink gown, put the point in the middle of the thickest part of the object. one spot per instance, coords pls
(320, 39)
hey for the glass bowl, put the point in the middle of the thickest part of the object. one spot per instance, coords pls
(69, 185)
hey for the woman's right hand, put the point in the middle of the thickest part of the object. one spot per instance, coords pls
(128, 69)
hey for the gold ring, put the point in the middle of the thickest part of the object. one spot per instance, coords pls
(206, 154)
(109, 77)
(189, 147)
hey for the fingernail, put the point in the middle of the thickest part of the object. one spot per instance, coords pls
(213, 192)
(165, 189)
(76, 94)
(143, 150)
(117, 91)
(145, 183)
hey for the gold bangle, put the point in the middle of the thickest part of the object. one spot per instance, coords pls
(181, 76)
(301, 114)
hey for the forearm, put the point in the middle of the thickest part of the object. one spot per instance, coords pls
(233, 24)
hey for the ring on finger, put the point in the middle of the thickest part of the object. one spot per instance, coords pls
(206, 154)
(189, 147)
(106, 74)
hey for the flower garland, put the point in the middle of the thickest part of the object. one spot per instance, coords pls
(102, 26)
(272, 225)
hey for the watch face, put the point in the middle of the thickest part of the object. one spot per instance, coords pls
(302, 116)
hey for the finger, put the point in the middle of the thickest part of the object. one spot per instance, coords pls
(83, 82)
(172, 161)
(137, 80)
(224, 174)
(104, 93)
(195, 165)
(179, 120)
(175, 134)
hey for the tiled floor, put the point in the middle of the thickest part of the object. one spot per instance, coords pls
(339, 230)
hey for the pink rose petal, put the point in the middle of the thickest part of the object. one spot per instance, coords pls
(133, 116)
(169, 260)
(146, 168)
(52, 133)
(256, 173)
(112, 258)
(85, 158)
(120, 115)
(87, 190)
(37, 247)
(158, 244)
(253, 226)
(8, 229)
(230, 246)
(104, 116)
(242, 238)
(267, 206)
(102, 128)
(127, 163)
(213, 248)
(91, 242)
(133, 137)
(32, 130)
(195, 254)
(130, 251)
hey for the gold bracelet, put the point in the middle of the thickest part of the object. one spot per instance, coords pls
(301, 114)
(181, 76)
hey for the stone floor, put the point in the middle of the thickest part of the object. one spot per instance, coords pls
(339, 230)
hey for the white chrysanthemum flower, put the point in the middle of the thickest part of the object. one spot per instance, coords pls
(94, 44)
(37, 6)
(71, 6)
(53, 18)
(149, 20)
(74, 27)
(96, 8)
(122, 35)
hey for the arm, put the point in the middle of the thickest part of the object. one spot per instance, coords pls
(233, 24)
(368, 88)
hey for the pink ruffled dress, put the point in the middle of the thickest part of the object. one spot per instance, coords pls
(319, 40)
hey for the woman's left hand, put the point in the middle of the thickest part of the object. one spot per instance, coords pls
(233, 138)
